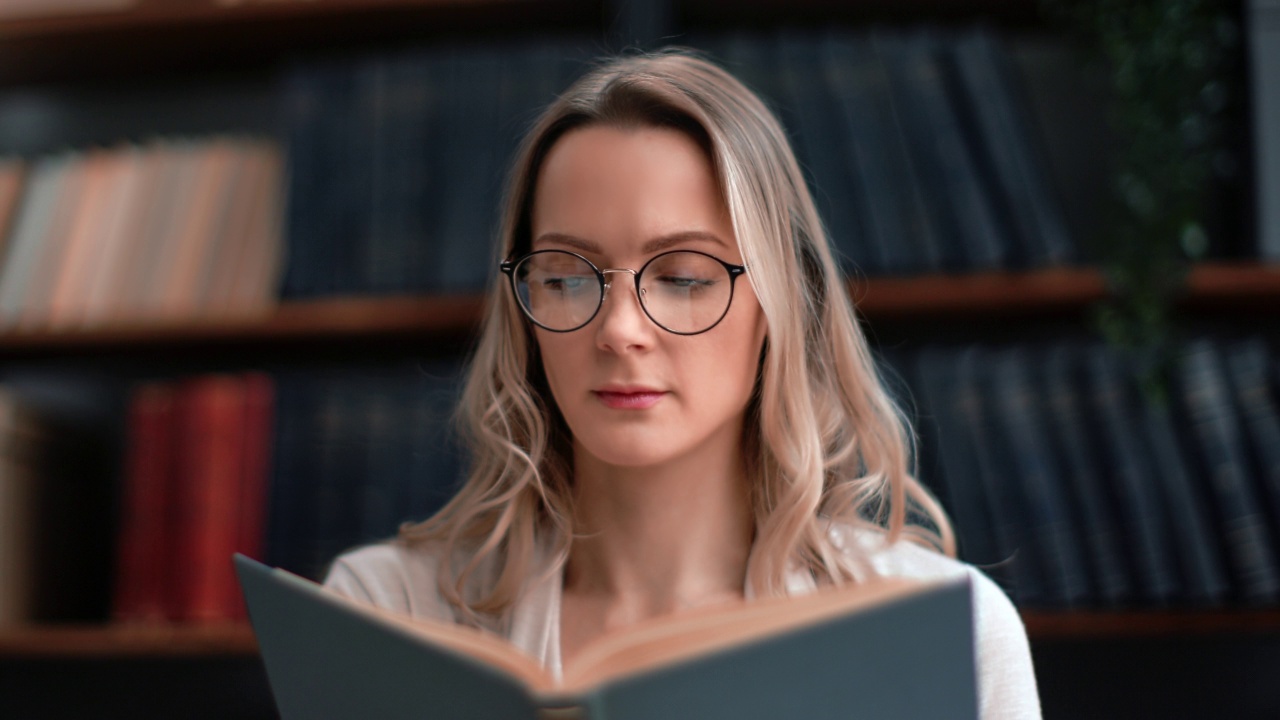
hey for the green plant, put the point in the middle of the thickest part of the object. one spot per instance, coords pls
(1168, 62)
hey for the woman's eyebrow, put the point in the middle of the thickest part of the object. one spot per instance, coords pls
(665, 241)
(657, 244)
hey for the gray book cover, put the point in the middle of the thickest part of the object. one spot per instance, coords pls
(909, 658)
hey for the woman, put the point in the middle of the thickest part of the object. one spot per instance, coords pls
(671, 405)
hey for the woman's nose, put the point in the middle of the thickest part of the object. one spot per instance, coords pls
(623, 324)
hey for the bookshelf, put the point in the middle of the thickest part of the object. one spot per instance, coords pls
(1212, 287)
(173, 39)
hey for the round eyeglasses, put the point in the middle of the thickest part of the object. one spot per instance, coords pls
(685, 292)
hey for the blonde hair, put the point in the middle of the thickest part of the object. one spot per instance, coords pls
(825, 443)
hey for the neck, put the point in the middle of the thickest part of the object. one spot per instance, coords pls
(654, 540)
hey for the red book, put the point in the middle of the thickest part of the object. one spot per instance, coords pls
(143, 542)
(211, 455)
(258, 427)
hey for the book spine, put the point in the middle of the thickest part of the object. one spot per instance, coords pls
(1263, 17)
(256, 426)
(1004, 135)
(143, 541)
(1051, 526)
(1085, 474)
(1241, 517)
(1199, 548)
(211, 455)
(809, 92)
(942, 152)
(943, 422)
(1248, 362)
(995, 473)
(1141, 509)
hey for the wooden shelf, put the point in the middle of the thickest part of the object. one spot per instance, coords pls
(156, 37)
(1089, 625)
(90, 641)
(1250, 289)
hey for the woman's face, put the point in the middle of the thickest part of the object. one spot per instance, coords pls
(634, 394)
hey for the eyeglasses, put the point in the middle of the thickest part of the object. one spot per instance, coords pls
(685, 292)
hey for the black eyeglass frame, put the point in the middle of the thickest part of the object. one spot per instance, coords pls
(508, 268)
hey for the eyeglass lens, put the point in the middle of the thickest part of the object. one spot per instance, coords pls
(684, 292)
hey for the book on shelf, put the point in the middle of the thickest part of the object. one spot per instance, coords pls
(1216, 428)
(887, 649)
(1141, 508)
(1248, 362)
(170, 230)
(1081, 469)
(359, 452)
(1051, 531)
(1263, 21)
(195, 490)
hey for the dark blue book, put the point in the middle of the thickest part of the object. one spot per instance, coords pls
(338, 438)
(291, 508)
(1199, 547)
(955, 469)
(439, 463)
(405, 102)
(463, 246)
(942, 154)
(1220, 441)
(1005, 140)
(1248, 365)
(1084, 473)
(897, 224)
(1051, 531)
(1142, 510)
(388, 453)
(818, 129)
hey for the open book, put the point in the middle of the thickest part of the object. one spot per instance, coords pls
(889, 649)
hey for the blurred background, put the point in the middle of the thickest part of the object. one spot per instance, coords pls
(244, 244)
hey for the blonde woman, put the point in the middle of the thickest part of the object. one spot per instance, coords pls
(671, 405)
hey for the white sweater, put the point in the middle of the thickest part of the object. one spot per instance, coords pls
(402, 579)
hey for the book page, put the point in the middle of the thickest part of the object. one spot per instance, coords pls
(705, 631)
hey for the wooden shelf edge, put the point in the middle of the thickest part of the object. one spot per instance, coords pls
(1088, 624)
(88, 641)
(1214, 287)
(151, 15)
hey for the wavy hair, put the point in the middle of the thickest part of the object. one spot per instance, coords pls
(824, 441)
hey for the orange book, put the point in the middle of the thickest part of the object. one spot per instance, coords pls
(236, 231)
(119, 219)
(196, 236)
(143, 540)
(13, 179)
(104, 172)
(51, 249)
(211, 452)
(256, 280)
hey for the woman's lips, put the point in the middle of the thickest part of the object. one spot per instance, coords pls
(639, 400)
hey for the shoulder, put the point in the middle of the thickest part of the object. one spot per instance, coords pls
(1007, 686)
(395, 576)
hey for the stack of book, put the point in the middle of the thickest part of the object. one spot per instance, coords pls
(1074, 488)
(167, 231)
(919, 145)
(195, 491)
(358, 453)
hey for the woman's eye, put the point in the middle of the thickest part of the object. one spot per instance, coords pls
(685, 281)
(565, 284)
